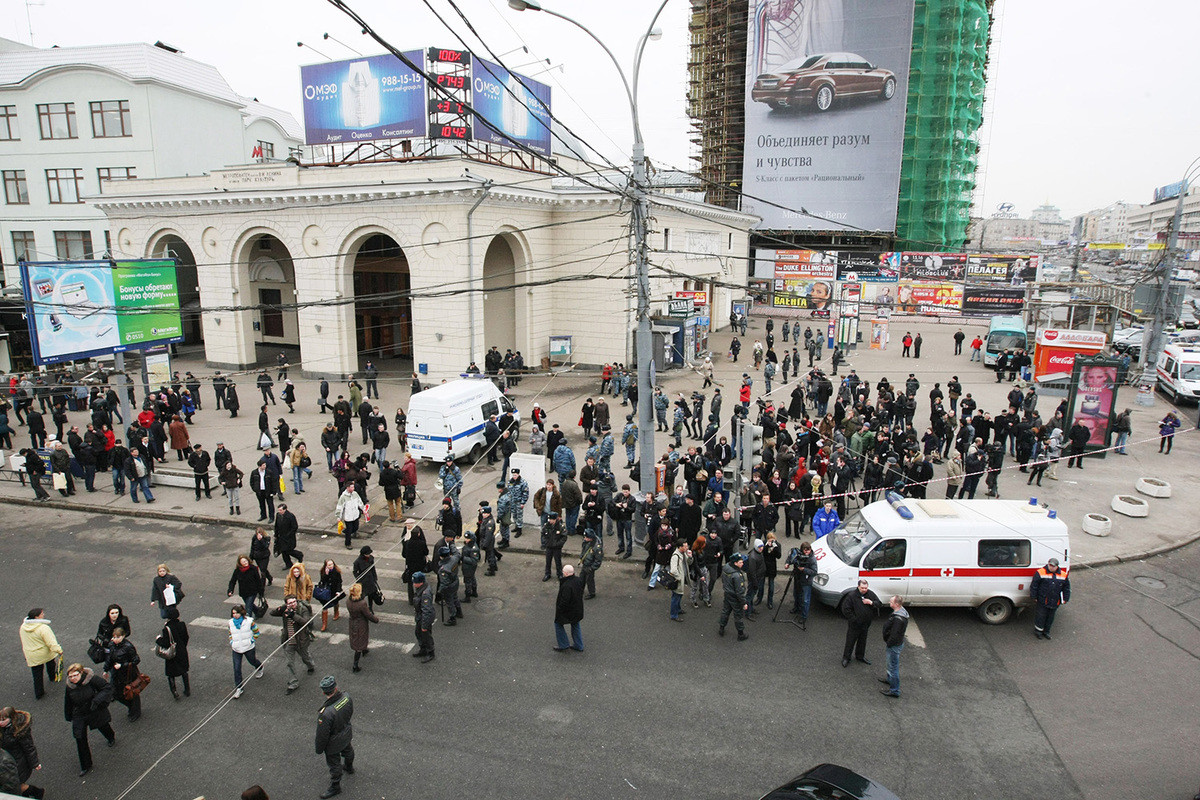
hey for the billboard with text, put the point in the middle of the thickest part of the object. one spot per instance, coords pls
(517, 107)
(361, 99)
(826, 93)
(80, 309)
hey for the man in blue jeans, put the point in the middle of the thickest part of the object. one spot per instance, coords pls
(137, 470)
(893, 637)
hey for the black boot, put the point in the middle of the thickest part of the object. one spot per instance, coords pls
(333, 790)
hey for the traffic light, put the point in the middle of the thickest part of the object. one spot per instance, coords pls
(751, 447)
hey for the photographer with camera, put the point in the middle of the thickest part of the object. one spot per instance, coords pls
(803, 564)
(296, 635)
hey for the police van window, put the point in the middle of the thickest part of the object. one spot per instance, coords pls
(508, 406)
(489, 408)
(1004, 553)
(888, 555)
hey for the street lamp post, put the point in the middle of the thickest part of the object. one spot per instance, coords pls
(641, 223)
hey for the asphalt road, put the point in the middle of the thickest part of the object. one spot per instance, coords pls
(651, 709)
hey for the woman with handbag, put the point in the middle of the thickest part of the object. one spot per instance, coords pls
(121, 667)
(416, 557)
(16, 739)
(329, 591)
(298, 583)
(361, 618)
(85, 705)
(113, 618)
(243, 634)
(172, 646)
(248, 581)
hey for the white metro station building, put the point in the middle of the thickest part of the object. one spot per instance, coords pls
(430, 260)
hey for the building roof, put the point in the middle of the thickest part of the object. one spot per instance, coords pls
(138, 62)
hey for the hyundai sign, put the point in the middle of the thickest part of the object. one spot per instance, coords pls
(516, 108)
(361, 99)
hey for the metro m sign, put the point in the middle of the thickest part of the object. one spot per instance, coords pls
(256, 152)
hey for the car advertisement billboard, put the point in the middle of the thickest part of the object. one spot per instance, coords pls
(992, 300)
(921, 297)
(360, 99)
(519, 115)
(826, 91)
(80, 309)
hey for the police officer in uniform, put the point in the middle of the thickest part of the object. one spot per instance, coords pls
(424, 614)
(334, 733)
(448, 560)
(470, 562)
(1050, 588)
(734, 582)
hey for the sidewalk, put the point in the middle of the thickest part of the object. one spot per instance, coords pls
(1077, 493)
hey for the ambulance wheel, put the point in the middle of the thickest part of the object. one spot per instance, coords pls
(1130, 505)
(1097, 525)
(1154, 487)
(995, 611)
(476, 453)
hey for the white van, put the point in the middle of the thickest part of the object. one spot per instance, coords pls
(449, 419)
(1178, 371)
(977, 553)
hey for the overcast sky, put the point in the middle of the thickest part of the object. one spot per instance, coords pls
(1094, 100)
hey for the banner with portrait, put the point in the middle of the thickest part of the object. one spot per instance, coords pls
(1094, 397)
(920, 297)
(1012, 270)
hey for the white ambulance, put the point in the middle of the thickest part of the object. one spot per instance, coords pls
(448, 419)
(1178, 370)
(977, 553)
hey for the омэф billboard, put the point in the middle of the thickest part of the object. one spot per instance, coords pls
(360, 99)
(826, 94)
(80, 309)
(521, 115)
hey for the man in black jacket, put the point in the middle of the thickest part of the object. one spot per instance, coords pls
(568, 610)
(286, 526)
(893, 638)
(424, 613)
(335, 734)
(200, 461)
(859, 608)
(1079, 436)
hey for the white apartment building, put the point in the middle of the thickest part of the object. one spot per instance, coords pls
(76, 119)
(435, 260)
(1107, 224)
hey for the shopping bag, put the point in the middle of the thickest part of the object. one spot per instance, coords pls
(264, 441)
(60, 480)
(282, 486)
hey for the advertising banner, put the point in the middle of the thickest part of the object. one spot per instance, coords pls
(933, 266)
(815, 295)
(805, 264)
(79, 309)
(1056, 349)
(360, 99)
(826, 90)
(518, 116)
(880, 295)
(1095, 394)
(866, 267)
(992, 300)
(1012, 270)
(943, 299)
(879, 333)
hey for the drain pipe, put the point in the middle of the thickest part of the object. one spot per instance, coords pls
(487, 186)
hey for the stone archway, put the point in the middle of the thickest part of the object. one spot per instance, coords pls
(383, 321)
(266, 284)
(500, 296)
(173, 246)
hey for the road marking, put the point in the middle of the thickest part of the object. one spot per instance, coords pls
(912, 634)
(216, 623)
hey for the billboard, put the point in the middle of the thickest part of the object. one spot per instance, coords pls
(866, 267)
(1168, 192)
(1011, 270)
(521, 115)
(929, 297)
(360, 99)
(826, 90)
(933, 266)
(1092, 403)
(79, 309)
(993, 300)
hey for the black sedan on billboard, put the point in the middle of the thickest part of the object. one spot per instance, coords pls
(821, 80)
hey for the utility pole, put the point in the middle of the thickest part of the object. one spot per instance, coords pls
(1153, 341)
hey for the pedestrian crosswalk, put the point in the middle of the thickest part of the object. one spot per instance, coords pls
(271, 632)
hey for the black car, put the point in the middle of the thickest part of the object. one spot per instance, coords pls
(830, 782)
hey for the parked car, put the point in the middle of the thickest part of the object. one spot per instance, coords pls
(827, 781)
(822, 79)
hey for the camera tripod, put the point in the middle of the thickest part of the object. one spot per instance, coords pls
(783, 599)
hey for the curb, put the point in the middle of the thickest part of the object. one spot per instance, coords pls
(1141, 555)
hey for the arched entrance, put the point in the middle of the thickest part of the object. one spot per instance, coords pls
(382, 306)
(172, 246)
(500, 296)
(269, 281)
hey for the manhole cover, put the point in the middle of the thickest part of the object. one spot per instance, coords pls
(1150, 583)
(487, 605)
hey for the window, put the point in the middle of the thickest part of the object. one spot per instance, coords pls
(64, 185)
(265, 150)
(489, 408)
(107, 244)
(16, 191)
(1004, 552)
(272, 316)
(889, 555)
(57, 120)
(110, 119)
(8, 124)
(116, 173)
(666, 239)
(73, 244)
(23, 247)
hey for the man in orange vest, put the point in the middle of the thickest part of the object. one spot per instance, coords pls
(1050, 588)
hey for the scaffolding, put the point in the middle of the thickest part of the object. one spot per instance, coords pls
(945, 110)
(716, 95)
